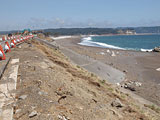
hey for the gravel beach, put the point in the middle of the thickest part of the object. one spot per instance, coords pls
(119, 66)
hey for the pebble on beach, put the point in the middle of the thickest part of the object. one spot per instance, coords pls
(113, 54)
(108, 51)
(32, 114)
(23, 97)
(158, 69)
(117, 103)
(102, 53)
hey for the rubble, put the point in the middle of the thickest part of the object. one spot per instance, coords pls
(30, 45)
(22, 97)
(62, 117)
(130, 88)
(102, 53)
(131, 85)
(118, 84)
(33, 114)
(18, 111)
(26, 62)
(117, 103)
(125, 71)
(70, 93)
(158, 69)
(42, 93)
(108, 51)
(138, 84)
(19, 47)
(113, 54)
(156, 49)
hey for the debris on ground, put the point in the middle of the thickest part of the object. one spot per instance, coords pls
(22, 97)
(33, 114)
(57, 89)
(117, 103)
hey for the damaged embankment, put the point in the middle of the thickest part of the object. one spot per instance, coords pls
(59, 60)
(88, 77)
(54, 88)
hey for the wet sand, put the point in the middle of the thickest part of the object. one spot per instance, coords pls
(137, 66)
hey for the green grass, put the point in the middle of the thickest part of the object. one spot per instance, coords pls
(103, 81)
(110, 89)
(92, 75)
(78, 66)
(153, 107)
(123, 96)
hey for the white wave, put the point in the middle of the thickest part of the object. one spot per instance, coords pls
(109, 46)
(93, 35)
(146, 50)
(87, 38)
(87, 41)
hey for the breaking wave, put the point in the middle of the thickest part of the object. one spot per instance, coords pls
(87, 41)
(144, 43)
(146, 50)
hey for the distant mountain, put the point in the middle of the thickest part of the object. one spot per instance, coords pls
(101, 31)
(81, 31)
(7, 32)
(98, 31)
(147, 29)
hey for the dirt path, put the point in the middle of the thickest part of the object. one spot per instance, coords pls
(104, 71)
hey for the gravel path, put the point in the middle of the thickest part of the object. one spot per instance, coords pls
(104, 71)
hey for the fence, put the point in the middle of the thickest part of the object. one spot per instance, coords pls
(7, 43)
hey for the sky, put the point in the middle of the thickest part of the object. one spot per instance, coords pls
(40, 14)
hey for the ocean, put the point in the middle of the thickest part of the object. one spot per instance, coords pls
(124, 42)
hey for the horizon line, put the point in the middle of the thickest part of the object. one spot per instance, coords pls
(79, 28)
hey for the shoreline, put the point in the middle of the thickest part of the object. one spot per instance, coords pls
(129, 50)
(137, 65)
(49, 86)
(137, 34)
(86, 40)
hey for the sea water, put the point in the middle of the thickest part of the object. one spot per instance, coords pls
(124, 42)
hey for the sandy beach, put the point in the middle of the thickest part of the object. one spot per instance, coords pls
(122, 66)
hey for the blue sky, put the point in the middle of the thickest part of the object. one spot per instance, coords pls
(36, 14)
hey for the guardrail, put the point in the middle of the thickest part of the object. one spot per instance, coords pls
(6, 43)
(47, 43)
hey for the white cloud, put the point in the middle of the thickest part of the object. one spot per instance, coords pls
(40, 23)
(43, 23)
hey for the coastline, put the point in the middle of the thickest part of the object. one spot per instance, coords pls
(93, 41)
(127, 34)
(137, 34)
(137, 65)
